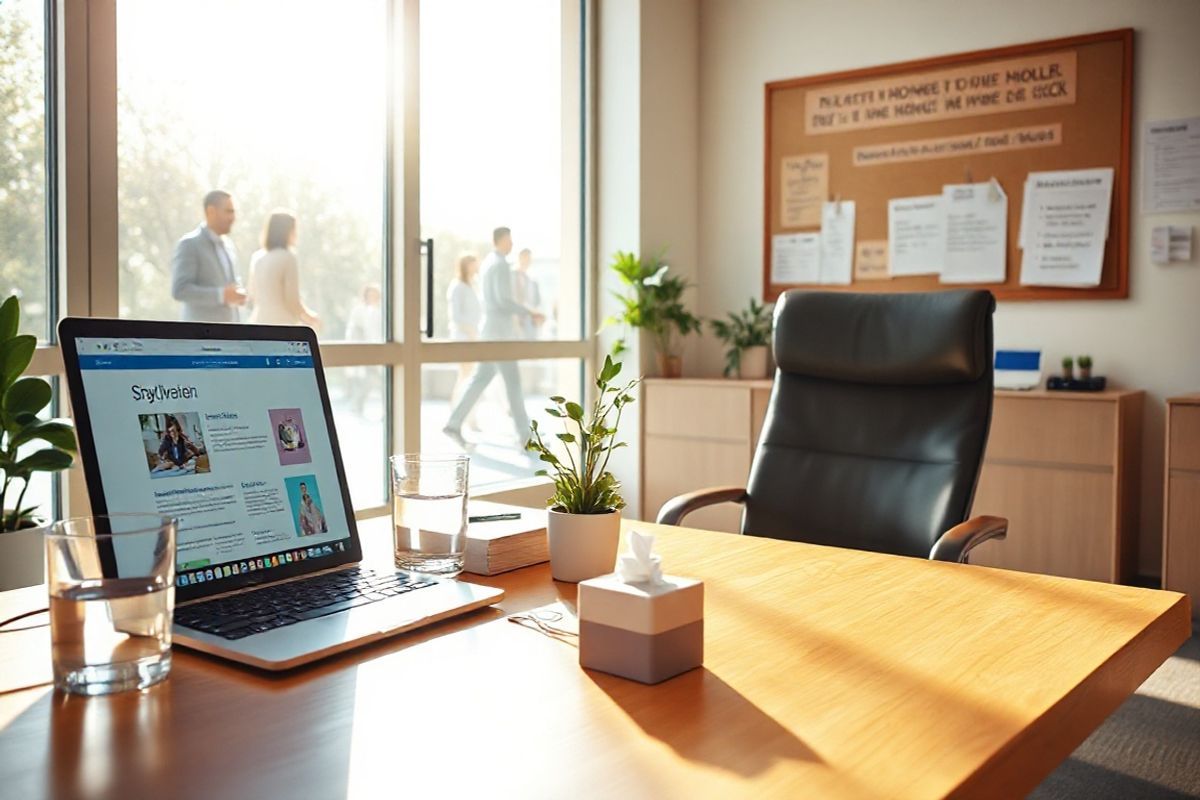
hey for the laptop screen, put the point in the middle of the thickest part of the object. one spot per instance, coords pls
(228, 435)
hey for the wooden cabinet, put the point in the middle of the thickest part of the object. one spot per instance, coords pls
(1181, 506)
(697, 433)
(1063, 468)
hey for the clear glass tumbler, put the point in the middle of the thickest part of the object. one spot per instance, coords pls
(112, 593)
(429, 512)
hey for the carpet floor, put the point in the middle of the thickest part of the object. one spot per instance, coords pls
(1148, 749)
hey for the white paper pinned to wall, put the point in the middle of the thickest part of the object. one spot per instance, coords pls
(796, 258)
(916, 235)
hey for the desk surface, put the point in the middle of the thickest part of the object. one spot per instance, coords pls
(827, 673)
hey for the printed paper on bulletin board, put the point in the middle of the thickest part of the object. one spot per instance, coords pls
(906, 130)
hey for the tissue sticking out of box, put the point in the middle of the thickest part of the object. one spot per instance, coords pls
(641, 564)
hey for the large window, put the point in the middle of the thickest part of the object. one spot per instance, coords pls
(340, 167)
(281, 103)
(23, 177)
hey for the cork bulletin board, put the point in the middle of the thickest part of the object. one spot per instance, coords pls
(905, 130)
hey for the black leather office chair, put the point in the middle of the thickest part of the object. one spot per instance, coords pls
(876, 426)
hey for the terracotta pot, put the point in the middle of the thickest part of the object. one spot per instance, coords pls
(669, 366)
(753, 363)
(583, 546)
(23, 557)
(1085, 373)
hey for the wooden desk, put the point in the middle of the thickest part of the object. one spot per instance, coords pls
(828, 673)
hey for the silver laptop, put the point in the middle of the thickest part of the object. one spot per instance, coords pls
(229, 429)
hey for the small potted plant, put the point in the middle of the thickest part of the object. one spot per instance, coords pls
(656, 306)
(21, 546)
(584, 524)
(1068, 365)
(746, 335)
(1085, 368)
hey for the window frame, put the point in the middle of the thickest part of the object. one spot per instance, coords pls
(83, 242)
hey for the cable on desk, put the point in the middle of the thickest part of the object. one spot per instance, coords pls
(4, 625)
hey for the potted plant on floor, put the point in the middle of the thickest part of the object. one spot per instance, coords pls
(746, 335)
(655, 306)
(21, 546)
(584, 524)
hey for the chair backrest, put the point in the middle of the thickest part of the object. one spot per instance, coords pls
(878, 419)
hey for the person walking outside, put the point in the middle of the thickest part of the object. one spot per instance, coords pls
(204, 266)
(501, 313)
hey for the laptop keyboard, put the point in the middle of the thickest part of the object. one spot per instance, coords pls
(248, 613)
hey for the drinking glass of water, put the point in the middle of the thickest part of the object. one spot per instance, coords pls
(429, 512)
(112, 592)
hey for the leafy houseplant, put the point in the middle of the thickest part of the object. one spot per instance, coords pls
(1085, 368)
(1068, 365)
(21, 549)
(746, 335)
(584, 519)
(656, 306)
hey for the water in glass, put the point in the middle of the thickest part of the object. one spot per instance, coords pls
(112, 634)
(431, 532)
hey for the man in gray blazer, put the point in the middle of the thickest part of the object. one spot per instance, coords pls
(203, 269)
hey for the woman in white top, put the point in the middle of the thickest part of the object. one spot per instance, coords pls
(463, 301)
(465, 314)
(275, 277)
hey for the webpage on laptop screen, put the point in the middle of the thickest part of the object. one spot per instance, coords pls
(227, 436)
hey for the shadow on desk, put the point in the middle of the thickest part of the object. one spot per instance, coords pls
(702, 718)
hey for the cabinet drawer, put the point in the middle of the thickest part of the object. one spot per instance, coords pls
(1181, 562)
(1185, 437)
(1053, 431)
(707, 412)
(1060, 521)
(674, 466)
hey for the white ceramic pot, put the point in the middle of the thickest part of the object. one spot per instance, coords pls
(583, 546)
(753, 363)
(22, 558)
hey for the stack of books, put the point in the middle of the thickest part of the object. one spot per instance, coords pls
(500, 545)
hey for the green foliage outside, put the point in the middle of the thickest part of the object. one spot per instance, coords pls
(22, 168)
(750, 327)
(582, 482)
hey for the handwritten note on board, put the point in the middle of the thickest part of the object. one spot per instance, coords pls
(805, 183)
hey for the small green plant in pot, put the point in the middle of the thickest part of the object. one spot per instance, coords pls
(655, 306)
(746, 335)
(584, 524)
(1068, 365)
(21, 399)
(1085, 368)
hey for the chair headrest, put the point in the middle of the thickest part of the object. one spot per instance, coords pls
(891, 338)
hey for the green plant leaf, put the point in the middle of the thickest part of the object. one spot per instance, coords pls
(49, 460)
(28, 395)
(566, 437)
(57, 433)
(10, 318)
(15, 355)
(575, 411)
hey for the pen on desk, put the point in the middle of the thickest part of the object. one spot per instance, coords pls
(493, 517)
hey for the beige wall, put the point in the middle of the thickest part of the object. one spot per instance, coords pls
(647, 163)
(1150, 341)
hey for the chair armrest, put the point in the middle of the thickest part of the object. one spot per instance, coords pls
(675, 509)
(954, 544)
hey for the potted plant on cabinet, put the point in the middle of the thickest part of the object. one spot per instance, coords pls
(584, 524)
(1068, 365)
(656, 306)
(1085, 368)
(21, 399)
(746, 335)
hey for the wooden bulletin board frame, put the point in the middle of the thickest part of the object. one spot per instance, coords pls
(1095, 132)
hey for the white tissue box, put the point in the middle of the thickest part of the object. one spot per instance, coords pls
(643, 631)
